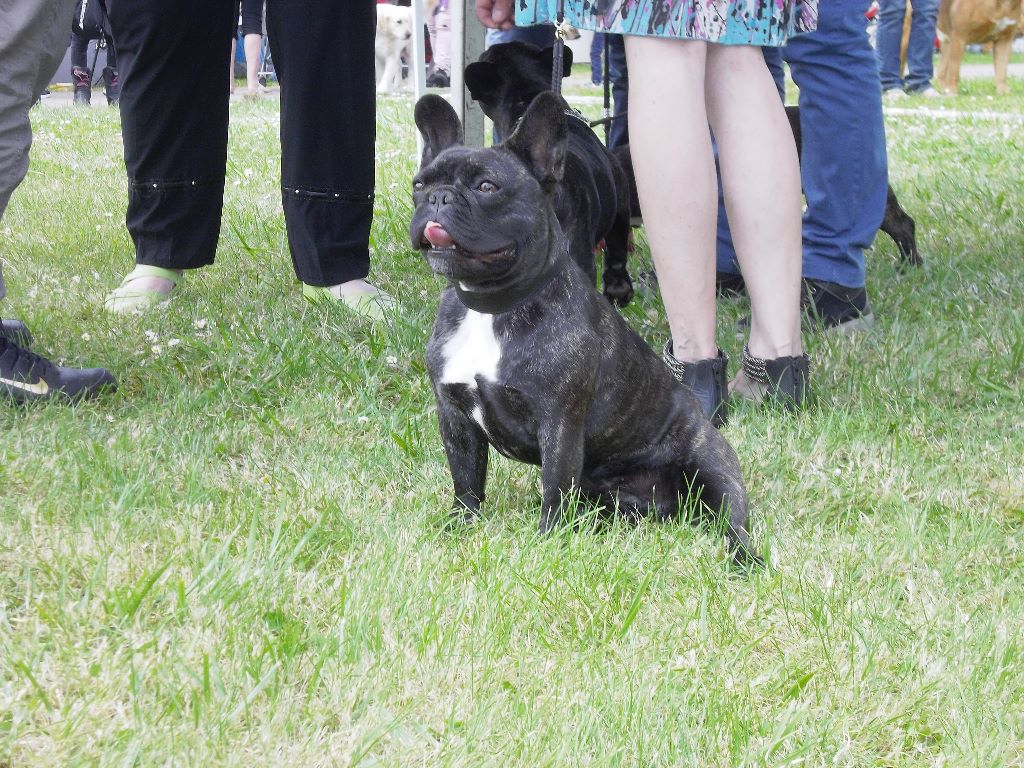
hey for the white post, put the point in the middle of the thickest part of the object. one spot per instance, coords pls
(418, 65)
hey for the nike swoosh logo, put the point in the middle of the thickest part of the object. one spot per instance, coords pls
(39, 388)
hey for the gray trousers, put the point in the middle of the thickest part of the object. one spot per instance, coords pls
(33, 37)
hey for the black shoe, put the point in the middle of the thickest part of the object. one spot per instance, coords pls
(786, 379)
(25, 376)
(835, 306)
(438, 79)
(708, 381)
(81, 78)
(111, 86)
(16, 331)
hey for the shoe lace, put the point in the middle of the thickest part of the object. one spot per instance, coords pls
(17, 358)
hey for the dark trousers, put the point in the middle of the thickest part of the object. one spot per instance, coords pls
(80, 51)
(174, 119)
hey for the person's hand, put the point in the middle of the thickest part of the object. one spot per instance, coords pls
(496, 14)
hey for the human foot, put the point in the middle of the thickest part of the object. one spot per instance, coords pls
(142, 288)
(360, 296)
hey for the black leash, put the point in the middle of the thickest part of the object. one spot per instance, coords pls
(605, 77)
(558, 58)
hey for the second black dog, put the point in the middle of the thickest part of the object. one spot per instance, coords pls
(592, 199)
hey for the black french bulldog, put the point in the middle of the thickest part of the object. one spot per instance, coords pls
(592, 199)
(526, 355)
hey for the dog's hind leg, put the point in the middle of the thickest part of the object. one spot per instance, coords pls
(712, 467)
(900, 226)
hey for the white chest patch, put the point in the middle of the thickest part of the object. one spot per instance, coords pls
(471, 351)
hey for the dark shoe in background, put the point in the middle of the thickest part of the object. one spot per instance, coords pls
(111, 86)
(438, 79)
(26, 376)
(81, 79)
(707, 379)
(834, 306)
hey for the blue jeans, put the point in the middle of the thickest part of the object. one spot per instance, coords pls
(844, 170)
(618, 133)
(920, 46)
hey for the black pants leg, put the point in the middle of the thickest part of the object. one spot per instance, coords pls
(323, 54)
(79, 50)
(174, 121)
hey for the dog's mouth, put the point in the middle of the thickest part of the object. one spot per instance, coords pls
(438, 245)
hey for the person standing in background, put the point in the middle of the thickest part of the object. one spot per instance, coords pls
(920, 47)
(33, 39)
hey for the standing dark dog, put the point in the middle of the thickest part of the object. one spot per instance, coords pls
(527, 357)
(592, 201)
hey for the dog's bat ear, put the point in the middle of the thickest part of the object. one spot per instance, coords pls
(482, 79)
(439, 125)
(542, 138)
(547, 60)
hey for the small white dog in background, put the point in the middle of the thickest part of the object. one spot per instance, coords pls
(394, 35)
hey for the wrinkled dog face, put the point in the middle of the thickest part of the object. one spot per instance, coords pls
(482, 216)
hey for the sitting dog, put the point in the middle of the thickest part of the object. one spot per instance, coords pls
(527, 357)
(393, 37)
(897, 223)
(592, 203)
(976, 21)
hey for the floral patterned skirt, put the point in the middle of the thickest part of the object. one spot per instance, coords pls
(727, 22)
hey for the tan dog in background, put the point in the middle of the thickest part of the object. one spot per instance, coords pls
(976, 21)
(394, 35)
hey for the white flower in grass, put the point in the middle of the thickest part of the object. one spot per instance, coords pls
(151, 336)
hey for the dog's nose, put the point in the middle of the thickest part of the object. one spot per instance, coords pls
(441, 197)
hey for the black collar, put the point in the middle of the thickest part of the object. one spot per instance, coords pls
(488, 303)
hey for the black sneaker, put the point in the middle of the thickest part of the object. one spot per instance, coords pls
(25, 376)
(16, 331)
(835, 306)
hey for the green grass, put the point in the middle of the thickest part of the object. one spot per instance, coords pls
(237, 559)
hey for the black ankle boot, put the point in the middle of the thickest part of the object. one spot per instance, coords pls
(81, 78)
(111, 86)
(787, 379)
(708, 381)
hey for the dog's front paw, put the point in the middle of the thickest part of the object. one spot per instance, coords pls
(618, 289)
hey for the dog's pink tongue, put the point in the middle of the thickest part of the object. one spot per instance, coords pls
(437, 236)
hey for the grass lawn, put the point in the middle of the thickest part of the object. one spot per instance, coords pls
(237, 559)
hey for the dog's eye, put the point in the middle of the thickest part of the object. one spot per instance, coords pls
(487, 186)
(417, 186)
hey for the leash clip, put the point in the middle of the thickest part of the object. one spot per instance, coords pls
(566, 31)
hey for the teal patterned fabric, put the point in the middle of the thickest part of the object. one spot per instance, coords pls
(727, 22)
